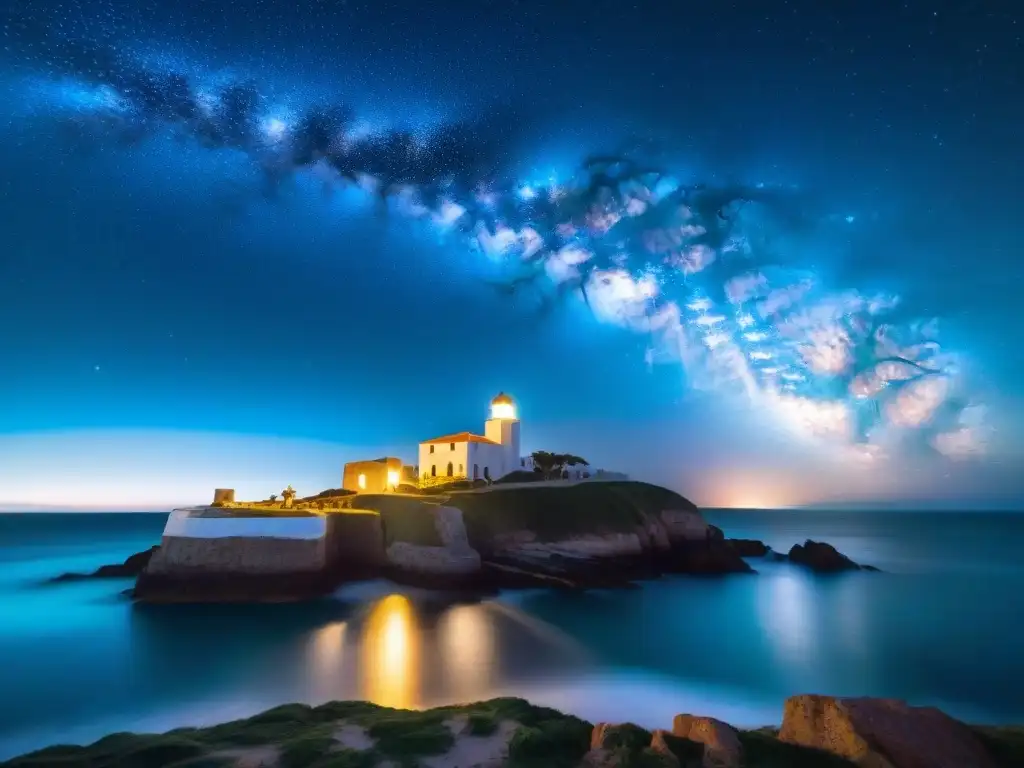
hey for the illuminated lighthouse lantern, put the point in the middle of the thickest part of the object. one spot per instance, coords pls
(477, 457)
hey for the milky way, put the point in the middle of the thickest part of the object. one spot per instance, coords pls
(699, 270)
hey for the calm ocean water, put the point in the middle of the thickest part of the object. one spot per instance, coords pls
(943, 625)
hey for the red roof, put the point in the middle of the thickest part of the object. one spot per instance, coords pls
(460, 437)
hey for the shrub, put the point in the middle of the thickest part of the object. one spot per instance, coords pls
(305, 751)
(482, 723)
(411, 734)
(551, 743)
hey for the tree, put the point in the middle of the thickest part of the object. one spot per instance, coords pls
(554, 464)
(544, 462)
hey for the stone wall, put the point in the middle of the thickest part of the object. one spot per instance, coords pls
(454, 558)
(238, 555)
(355, 540)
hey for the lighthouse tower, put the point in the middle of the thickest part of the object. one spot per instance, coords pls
(503, 428)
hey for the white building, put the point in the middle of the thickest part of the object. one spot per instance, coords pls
(489, 456)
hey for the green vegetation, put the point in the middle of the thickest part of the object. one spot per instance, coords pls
(405, 517)
(555, 512)
(304, 737)
(552, 465)
(404, 735)
(305, 751)
(482, 723)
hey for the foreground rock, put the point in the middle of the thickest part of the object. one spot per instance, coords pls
(130, 568)
(824, 558)
(882, 732)
(749, 547)
(818, 732)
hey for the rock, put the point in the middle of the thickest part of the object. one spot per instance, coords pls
(626, 746)
(822, 558)
(130, 568)
(659, 743)
(212, 587)
(722, 747)
(749, 547)
(709, 557)
(882, 733)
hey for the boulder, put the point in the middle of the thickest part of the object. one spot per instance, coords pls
(823, 558)
(882, 733)
(708, 557)
(626, 746)
(130, 568)
(685, 525)
(749, 547)
(722, 747)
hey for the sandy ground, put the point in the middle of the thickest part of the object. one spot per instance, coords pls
(473, 751)
(468, 752)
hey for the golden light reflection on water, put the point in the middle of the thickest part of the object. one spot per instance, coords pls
(391, 649)
(469, 646)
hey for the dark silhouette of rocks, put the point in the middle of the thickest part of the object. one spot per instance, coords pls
(130, 568)
(823, 558)
(749, 547)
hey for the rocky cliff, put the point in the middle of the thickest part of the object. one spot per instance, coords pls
(607, 534)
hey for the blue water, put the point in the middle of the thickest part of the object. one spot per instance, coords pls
(943, 625)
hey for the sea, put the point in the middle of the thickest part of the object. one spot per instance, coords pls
(943, 624)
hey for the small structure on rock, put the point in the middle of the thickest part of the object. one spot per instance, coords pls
(223, 496)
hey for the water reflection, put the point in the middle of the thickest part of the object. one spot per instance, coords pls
(391, 650)
(468, 644)
(327, 653)
(785, 609)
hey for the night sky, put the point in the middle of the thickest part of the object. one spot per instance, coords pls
(793, 278)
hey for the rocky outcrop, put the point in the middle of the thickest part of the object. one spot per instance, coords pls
(705, 558)
(454, 564)
(722, 747)
(749, 547)
(130, 568)
(882, 733)
(823, 558)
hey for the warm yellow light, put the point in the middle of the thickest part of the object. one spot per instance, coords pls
(503, 411)
(393, 477)
(361, 482)
(391, 654)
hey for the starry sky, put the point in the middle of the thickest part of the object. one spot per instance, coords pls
(795, 281)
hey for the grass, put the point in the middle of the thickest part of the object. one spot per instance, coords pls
(545, 738)
(556, 512)
(405, 517)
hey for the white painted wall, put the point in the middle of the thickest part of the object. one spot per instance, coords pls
(443, 453)
(486, 455)
(182, 523)
(506, 432)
